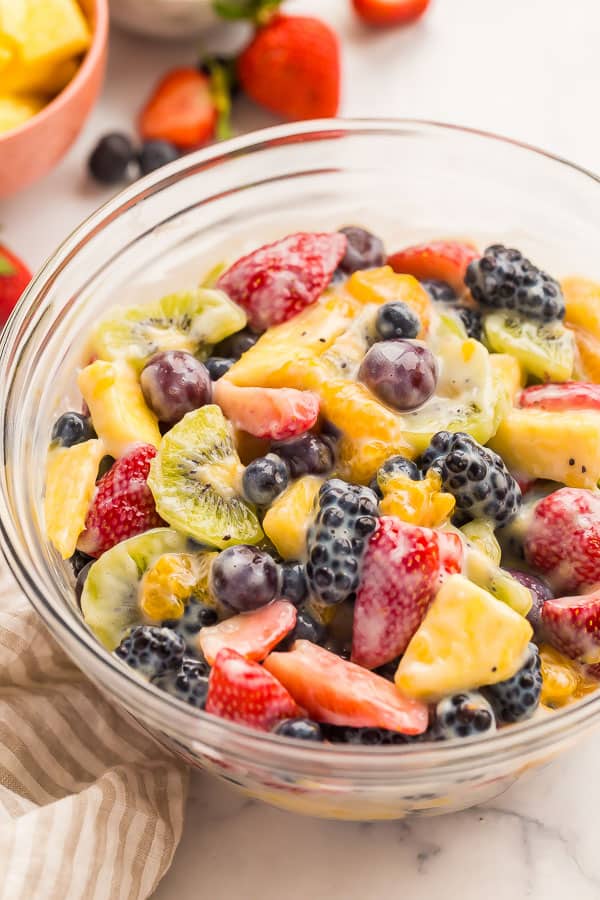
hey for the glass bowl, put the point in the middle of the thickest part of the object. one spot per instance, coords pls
(403, 179)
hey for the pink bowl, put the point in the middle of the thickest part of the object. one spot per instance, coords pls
(30, 151)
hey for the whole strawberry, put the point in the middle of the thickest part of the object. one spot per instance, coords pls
(123, 505)
(242, 691)
(14, 278)
(563, 539)
(292, 66)
(400, 577)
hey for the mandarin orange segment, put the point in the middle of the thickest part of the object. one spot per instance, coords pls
(563, 680)
(386, 286)
(582, 304)
(587, 357)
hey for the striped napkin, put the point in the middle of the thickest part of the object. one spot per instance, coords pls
(91, 808)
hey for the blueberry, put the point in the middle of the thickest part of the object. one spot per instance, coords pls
(464, 715)
(364, 250)
(401, 373)
(79, 561)
(106, 464)
(307, 454)
(174, 383)
(388, 669)
(236, 344)
(217, 366)
(244, 578)
(504, 279)
(188, 683)
(293, 582)
(517, 698)
(439, 290)
(364, 737)
(301, 729)
(471, 319)
(264, 479)
(540, 592)
(399, 465)
(306, 629)
(155, 154)
(111, 158)
(477, 477)
(72, 428)
(152, 651)
(196, 615)
(396, 320)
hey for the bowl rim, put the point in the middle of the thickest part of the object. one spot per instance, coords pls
(452, 755)
(88, 64)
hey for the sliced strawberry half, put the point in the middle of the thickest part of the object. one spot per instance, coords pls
(400, 577)
(271, 413)
(572, 625)
(14, 278)
(342, 693)
(563, 539)
(558, 397)
(389, 12)
(122, 505)
(252, 634)
(452, 553)
(243, 691)
(443, 260)
(279, 280)
(181, 110)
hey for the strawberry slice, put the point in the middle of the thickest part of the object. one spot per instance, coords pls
(442, 260)
(400, 577)
(271, 413)
(558, 397)
(122, 505)
(243, 691)
(572, 625)
(563, 540)
(279, 280)
(181, 110)
(252, 634)
(342, 693)
(389, 12)
(452, 553)
(14, 278)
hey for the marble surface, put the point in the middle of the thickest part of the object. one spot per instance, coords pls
(526, 69)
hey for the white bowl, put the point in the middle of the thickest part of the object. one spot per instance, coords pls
(164, 18)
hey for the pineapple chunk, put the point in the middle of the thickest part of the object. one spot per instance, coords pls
(559, 446)
(70, 481)
(16, 110)
(116, 403)
(6, 56)
(287, 520)
(47, 78)
(45, 30)
(582, 304)
(468, 639)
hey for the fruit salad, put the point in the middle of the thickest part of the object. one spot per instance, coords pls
(342, 495)
(41, 45)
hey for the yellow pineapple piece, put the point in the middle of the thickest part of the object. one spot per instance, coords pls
(582, 304)
(287, 520)
(117, 406)
(418, 502)
(539, 444)
(6, 56)
(45, 30)
(47, 78)
(383, 285)
(563, 680)
(18, 109)
(70, 482)
(370, 431)
(587, 357)
(467, 639)
(169, 583)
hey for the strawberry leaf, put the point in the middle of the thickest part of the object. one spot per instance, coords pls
(258, 11)
(6, 267)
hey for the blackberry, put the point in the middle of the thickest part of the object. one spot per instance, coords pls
(370, 737)
(306, 629)
(464, 715)
(476, 476)
(504, 279)
(307, 454)
(518, 697)
(72, 428)
(301, 729)
(396, 320)
(471, 319)
(364, 250)
(439, 290)
(264, 479)
(336, 541)
(188, 683)
(196, 615)
(152, 651)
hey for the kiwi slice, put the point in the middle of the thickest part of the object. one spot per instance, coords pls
(545, 351)
(465, 395)
(196, 482)
(192, 320)
(110, 597)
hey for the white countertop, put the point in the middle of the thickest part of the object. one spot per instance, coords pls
(524, 68)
